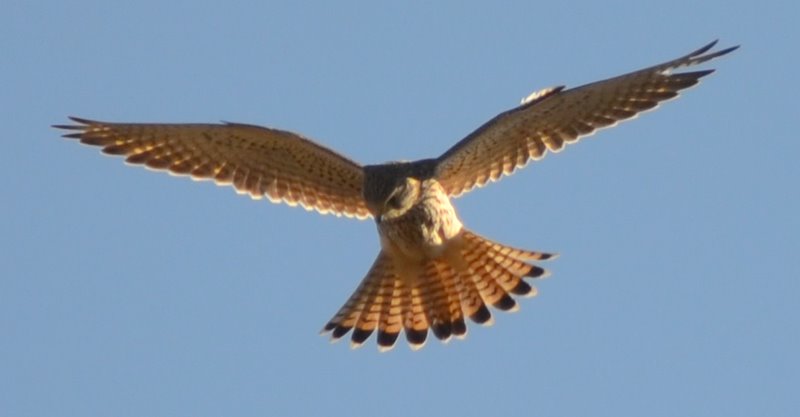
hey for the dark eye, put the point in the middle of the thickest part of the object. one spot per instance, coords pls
(395, 201)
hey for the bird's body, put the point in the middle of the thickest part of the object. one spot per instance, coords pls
(422, 231)
(431, 271)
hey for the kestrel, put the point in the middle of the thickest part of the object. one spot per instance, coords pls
(431, 272)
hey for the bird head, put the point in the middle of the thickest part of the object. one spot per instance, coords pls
(389, 192)
(400, 199)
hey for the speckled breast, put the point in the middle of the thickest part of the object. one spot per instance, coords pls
(423, 231)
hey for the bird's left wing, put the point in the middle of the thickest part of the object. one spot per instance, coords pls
(551, 118)
(281, 165)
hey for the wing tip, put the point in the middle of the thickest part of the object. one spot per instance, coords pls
(711, 45)
(81, 127)
(703, 49)
(713, 55)
(700, 56)
(78, 135)
(79, 120)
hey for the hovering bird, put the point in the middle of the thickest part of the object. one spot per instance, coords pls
(431, 271)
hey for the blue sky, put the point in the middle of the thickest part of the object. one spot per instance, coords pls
(129, 293)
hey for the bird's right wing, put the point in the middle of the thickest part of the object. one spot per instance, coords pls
(281, 165)
(554, 117)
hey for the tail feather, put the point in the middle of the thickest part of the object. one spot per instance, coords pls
(516, 253)
(509, 272)
(477, 271)
(472, 304)
(453, 308)
(349, 315)
(444, 312)
(434, 294)
(391, 316)
(437, 294)
(370, 314)
(485, 268)
(513, 262)
(509, 278)
(415, 323)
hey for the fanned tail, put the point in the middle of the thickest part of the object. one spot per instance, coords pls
(437, 294)
(495, 272)
(380, 294)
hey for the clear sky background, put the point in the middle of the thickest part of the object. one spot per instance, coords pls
(129, 293)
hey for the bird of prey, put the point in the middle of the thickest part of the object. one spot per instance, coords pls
(431, 271)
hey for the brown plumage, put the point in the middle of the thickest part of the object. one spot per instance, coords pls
(431, 272)
(439, 295)
(262, 162)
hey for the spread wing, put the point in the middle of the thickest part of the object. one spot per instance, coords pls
(551, 118)
(259, 161)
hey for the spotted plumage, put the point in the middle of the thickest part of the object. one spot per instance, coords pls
(431, 273)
